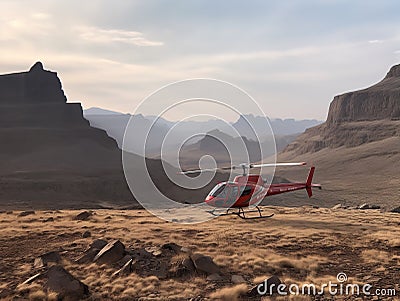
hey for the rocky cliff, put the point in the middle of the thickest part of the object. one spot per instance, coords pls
(49, 154)
(378, 102)
(356, 118)
(357, 150)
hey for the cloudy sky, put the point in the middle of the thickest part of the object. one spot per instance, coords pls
(291, 56)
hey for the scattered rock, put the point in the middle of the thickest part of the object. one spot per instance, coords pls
(46, 258)
(157, 253)
(83, 216)
(49, 219)
(186, 267)
(186, 250)
(93, 250)
(395, 210)
(86, 234)
(25, 213)
(214, 277)
(237, 279)
(338, 206)
(126, 268)
(204, 264)
(172, 247)
(124, 260)
(366, 206)
(140, 254)
(65, 285)
(88, 256)
(188, 264)
(268, 286)
(98, 244)
(111, 253)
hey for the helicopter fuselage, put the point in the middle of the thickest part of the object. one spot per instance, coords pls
(250, 190)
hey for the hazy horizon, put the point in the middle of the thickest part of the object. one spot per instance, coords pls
(112, 112)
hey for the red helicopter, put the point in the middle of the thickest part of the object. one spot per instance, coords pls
(247, 191)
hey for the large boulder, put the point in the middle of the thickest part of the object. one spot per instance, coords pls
(67, 287)
(111, 253)
(204, 264)
(93, 250)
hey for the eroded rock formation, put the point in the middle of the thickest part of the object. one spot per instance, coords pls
(48, 151)
(356, 118)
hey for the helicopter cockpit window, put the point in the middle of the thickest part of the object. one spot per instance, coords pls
(234, 191)
(246, 190)
(219, 191)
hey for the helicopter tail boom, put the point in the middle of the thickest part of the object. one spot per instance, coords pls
(286, 187)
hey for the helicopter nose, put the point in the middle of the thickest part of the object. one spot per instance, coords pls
(210, 200)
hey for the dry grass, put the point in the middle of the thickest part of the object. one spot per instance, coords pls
(299, 245)
(229, 293)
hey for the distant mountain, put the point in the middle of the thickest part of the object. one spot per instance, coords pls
(222, 147)
(115, 124)
(279, 126)
(100, 111)
(225, 149)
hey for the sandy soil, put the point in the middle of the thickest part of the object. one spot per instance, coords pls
(299, 245)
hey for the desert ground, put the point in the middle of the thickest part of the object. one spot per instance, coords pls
(298, 245)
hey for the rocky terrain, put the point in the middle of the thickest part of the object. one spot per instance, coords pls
(131, 255)
(357, 150)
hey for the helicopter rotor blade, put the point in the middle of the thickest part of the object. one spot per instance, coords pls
(277, 164)
(197, 171)
(242, 166)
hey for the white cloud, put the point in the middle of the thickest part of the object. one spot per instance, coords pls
(99, 35)
(375, 41)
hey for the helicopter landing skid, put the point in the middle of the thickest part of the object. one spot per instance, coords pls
(242, 214)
